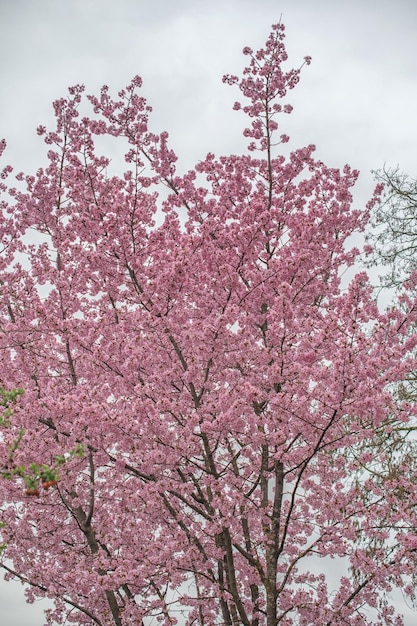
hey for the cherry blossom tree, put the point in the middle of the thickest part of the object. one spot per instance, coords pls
(207, 433)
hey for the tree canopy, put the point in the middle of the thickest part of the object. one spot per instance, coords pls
(212, 404)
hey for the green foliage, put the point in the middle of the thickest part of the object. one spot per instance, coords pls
(34, 475)
(2, 543)
(7, 398)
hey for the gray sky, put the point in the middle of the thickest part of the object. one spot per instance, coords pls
(356, 101)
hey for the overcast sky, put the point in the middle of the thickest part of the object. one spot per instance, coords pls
(356, 102)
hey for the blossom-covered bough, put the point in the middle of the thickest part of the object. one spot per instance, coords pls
(217, 412)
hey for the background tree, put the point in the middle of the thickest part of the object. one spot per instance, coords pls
(393, 235)
(221, 404)
(394, 226)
